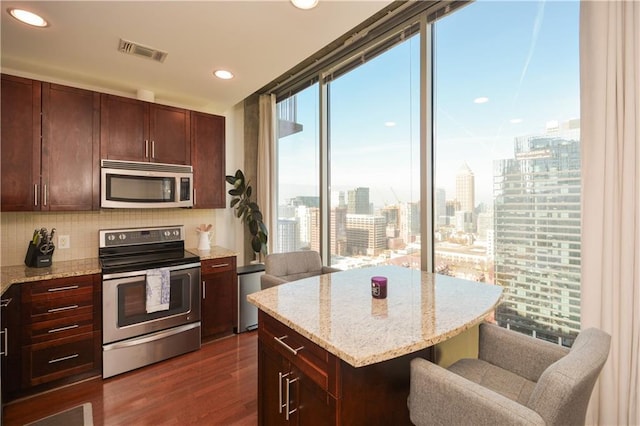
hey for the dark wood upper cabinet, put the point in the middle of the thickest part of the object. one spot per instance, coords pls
(20, 144)
(52, 138)
(49, 146)
(208, 160)
(70, 148)
(134, 130)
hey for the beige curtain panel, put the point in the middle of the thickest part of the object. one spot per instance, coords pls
(266, 158)
(610, 135)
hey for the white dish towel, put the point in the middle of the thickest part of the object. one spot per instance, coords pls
(158, 290)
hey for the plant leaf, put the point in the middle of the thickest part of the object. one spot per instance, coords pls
(256, 245)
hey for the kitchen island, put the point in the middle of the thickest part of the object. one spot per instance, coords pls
(329, 353)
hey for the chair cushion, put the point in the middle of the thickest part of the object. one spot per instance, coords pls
(294, 265)
(501, 381)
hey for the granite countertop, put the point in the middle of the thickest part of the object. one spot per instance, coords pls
(72, 268)
(215, 252)
(21, 273)
(337, 311)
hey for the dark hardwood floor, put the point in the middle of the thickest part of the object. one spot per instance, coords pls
(216, 385)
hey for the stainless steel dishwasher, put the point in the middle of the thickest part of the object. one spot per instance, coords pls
(248, 282)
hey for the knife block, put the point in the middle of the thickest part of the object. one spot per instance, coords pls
(35, 259)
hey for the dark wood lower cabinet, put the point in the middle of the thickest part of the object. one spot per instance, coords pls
(298, 400)
(219, 297)
(299, 383)
(56, 338)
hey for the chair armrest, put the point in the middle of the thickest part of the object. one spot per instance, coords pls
(440, 397)
(268, 281)
(523, 355)
(329, 269)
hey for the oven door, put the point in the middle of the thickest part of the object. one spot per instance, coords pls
(124, 303)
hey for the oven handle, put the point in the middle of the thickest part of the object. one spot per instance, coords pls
(144, 271)
(150, 337)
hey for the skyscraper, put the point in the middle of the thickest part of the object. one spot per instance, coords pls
(537, 236)
(358, 201)
(465, 188)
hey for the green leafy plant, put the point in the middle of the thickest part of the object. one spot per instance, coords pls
(248, 211)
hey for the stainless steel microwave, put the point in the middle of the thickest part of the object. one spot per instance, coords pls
(133, 184)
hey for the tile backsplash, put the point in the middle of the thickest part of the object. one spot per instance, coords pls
(82, 229)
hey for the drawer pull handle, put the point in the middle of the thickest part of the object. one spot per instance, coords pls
(64, 308)
(287, 411)
(69, 327)
(289, 348)
(5, 302)
(64, 358)
(71, 287)
(219, 265)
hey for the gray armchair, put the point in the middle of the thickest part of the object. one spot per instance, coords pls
(516, 380)
(283, 267)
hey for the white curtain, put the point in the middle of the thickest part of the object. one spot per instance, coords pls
(266, 160)
(610, 135)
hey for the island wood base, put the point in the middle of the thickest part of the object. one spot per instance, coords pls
(301, 383)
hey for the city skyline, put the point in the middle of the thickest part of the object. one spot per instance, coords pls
(510, 93)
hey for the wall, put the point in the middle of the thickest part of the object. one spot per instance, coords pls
(16, 229)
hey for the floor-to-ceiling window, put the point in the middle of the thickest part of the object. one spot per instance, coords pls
(374, 160)
(507, 196)
(504, 130)
(298, 196)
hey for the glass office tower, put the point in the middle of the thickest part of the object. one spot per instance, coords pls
(537, 234)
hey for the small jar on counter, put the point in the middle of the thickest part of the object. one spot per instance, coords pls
(379, 287)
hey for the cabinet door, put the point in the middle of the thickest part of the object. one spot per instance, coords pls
(219, 297)
(271, 367)
(70, 148)
(308, 403)
(124, 129)
(169, 132)
(208, 160)
(20, 140)
(10, 341)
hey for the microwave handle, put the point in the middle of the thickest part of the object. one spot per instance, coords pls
(194, 197)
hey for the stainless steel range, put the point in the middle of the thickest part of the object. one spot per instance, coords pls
(150, 297)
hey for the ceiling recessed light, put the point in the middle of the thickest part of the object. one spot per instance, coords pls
(515, 121)
(223, 74)
(389, 124)
(305, 4)
(27, 17)
(481, 100)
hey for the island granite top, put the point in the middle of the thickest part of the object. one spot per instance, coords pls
(337, 312)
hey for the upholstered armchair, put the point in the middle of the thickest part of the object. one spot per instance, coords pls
(516, 380)
(283, 267)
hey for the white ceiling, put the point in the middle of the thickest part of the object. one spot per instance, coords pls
(256, 40)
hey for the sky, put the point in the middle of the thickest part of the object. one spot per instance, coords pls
(521, 56)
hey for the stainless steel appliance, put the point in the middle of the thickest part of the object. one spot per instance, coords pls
(248, 282)
(133, 335)
(132, 184)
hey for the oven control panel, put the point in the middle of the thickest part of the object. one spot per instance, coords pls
(134, 236)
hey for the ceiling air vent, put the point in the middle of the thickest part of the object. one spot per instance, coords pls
(137, 49)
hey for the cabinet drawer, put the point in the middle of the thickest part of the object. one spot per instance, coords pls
(312, 360)
(60, 307)
(54, 289)
(57, 359)
(44, 331)
(222, 264)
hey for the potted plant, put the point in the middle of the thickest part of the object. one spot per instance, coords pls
(248, 211)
